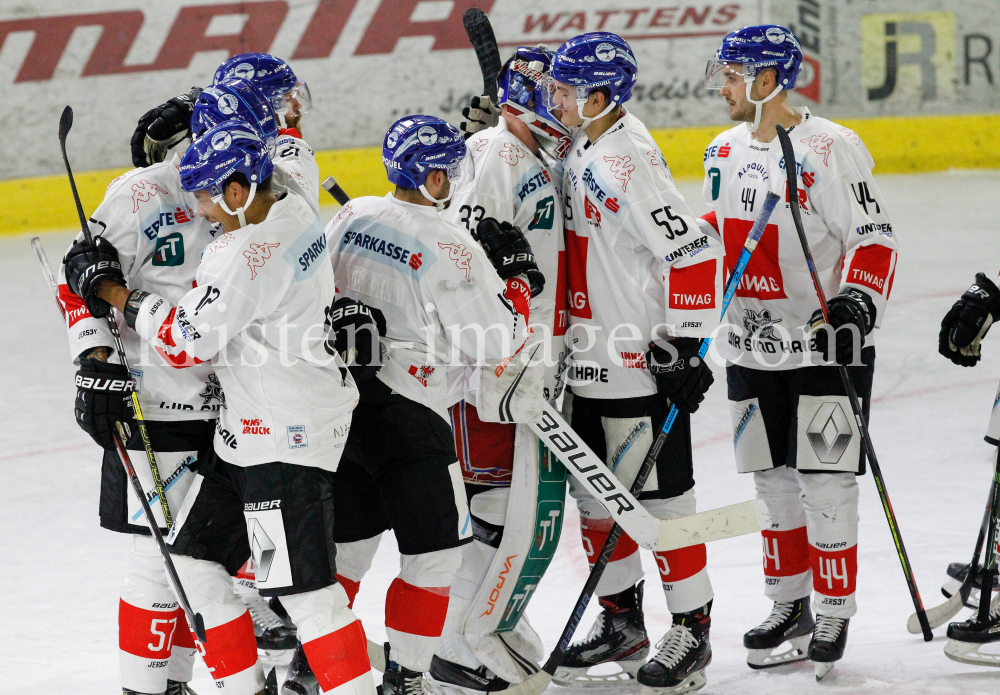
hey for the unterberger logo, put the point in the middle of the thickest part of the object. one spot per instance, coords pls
(829, 433)
(908, 57)
(254, 426)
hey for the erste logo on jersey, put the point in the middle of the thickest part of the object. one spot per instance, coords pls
(534, 180)
(720, 151)
(593, 184)
(143, 192)
(165, 216)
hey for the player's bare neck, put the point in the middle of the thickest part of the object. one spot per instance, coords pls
(520, 130)
(777, 112)
(411, 195)
(602, 125)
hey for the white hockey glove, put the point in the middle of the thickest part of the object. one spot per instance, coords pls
(481, 113)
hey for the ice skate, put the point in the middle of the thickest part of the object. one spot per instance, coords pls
(828, 641)
(615, 649)
(684, 652)
(957, 572)
(790, 622)
(399, 680)
(178, 688)
(967, 639)
(300, 679)
(448, 678)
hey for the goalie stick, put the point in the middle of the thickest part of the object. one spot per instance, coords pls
(852, 395)
(195, 620)
(739, 519)
(480, 32)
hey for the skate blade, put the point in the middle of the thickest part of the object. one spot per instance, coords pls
(769, 658)
(823, 668)
(619, 673)
(696, 681)
(968, 653)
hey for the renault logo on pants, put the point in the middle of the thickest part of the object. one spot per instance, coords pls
(262, 549)
(829, 433)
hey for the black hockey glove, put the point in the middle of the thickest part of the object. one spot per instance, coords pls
(966, 323)
(482, 114)
(851, 307)
(354, 331)
(103, 397)
(683, 380)
(509, 252)
(86, 265)
(161, 128)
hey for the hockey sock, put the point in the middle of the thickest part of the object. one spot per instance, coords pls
(354, 559)
(787, 576)
(624, 568)
(786, 554)
(351, 587)
(684, 577)
(830, 501)
(181, 668)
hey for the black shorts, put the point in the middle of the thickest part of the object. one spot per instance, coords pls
(184, 435)
(232, 503)
(777, 393)
(395, 475)
(674, 466)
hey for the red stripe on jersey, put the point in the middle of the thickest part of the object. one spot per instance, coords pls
(182, 635)
(711, 219)
(762, 277)
(230, 648)
(596, 531)
(145, 633)
(576, 274)
(693, 287)
(351, 587)
(339, 657)
(562, 317)
(519, 294)
(786, 553)
(871, 266)
(416, 610)
(73, 306)
(834, 573)
(677, 565)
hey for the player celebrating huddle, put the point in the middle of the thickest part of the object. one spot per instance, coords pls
(640, 269)
(791, 417)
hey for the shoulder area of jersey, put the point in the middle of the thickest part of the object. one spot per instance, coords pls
(500, 147)
(286, 139)
(724, 141)
(145, 183)
(825, 142)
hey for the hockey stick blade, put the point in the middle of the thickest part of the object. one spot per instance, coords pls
(938, 615)
(480, 32)
(713, 525)
(331, 186)
(43, 260)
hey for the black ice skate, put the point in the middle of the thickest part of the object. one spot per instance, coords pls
(178, 688)
(957, 572)
(399, 680)
(828, 642)
(449, 678)
(617, 643)
(271, 629)
(790, 622)
(300, 679)
(684, 652)
(965, 639)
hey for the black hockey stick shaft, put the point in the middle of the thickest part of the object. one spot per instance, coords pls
(194, 619)
(989, 565)
(480, 32)
(793, 203)
(331, 186)
(970, 579)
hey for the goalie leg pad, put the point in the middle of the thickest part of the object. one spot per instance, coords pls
(787, 573)
(683, 572)
(831, 507)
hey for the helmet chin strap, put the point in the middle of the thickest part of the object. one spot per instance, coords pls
(759, 104)
(239, 211)
(281, 119)
(438, 203)
(580, 103)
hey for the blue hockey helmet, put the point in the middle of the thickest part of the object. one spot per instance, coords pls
(756, 48)
(415, 145)
(234, 100)
(231, 147)
(522, 84)
(593, 60)
(271, 75)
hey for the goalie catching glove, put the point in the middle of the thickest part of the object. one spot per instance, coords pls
(966, 323)
(355, 329)
(161, 128)
(86, 265)
(103, 397)
(509, 252)
(683, 379)
(481, 113)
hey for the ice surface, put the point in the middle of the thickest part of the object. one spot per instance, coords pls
(61, 572)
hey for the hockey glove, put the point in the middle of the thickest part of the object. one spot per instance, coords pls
(103, 397)
(851, 307)
(509, 252)
(86, 265)
(161, 128)
(966, 323)
(482, 114)
(354, 331)
(684, 379)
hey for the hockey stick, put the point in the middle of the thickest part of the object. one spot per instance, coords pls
(331, 186)
(43, 260)
(195, 620)
(989, 569)
(939, 615)
(793, 203)
(480, 32)
(537, 683)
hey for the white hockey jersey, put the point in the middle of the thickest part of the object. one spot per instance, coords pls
(845, 220)
(513, 185)
(638, 264)
(259, 314)
(435, 286)
(151, 221)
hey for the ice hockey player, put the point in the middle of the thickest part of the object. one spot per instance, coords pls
(259, 313)
(441, 299)
(639, 270)
(792, 421)
(962, 330)
(487, 641)
(151, 220)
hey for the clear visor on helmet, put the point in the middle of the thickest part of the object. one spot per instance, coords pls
(460, 171)
(719, 74)
(555, 94)
(295, 102)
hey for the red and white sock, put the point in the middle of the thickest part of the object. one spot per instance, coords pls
(787, 576)
(830, 501)
(683, 572)
(625, 567)
(354, 559)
